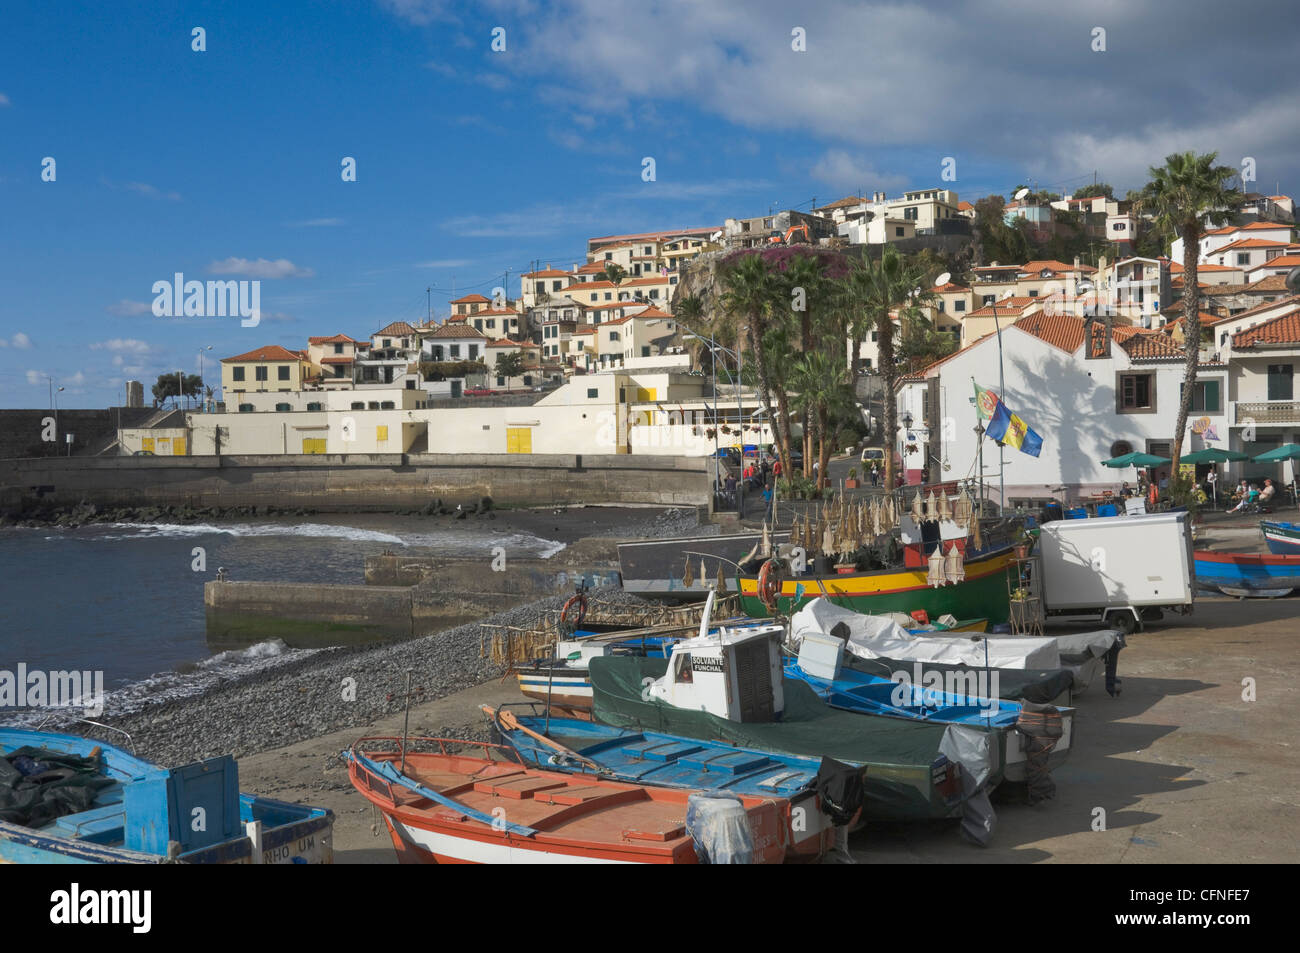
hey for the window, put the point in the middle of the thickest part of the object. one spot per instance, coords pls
(338, 348)
(874, 335)
(1136, 393)
(388, 342)
(387, 405)
(647, 250)
(989, 299)
(358, 405)
(1280, 382)
(410, 383)
(609, 296)
(237, 373)
(282, 372)
(909, 213)
(1033, 293)
(593, 392)
(555, 285)
(959, 306)
(501, 381)
(941, 306)
(645, 350)
(282, 408)
(1205, 397)
(473, 352)
(245, 408)
(613, 335)
(314, 406)
(372, 405)
(568, 313)
(898, 231)
(1243, 258)
(455, 350)
(260, 372)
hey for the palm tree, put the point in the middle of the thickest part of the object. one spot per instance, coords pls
(877, 288)
(1184, 197)
(804, 275)
(615, 273)
(821, 381)
(750, 295)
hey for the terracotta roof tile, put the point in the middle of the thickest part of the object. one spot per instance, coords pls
(397, 327)
(333, 339)
(468, 299)
(1284, 329)
(272, 352)
(457, 331)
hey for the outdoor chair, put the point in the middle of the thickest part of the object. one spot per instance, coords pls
(1076, 513)
(1108, 509)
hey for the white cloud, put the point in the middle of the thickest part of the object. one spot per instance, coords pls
(4, 100)
(262, 268)
(848, 173)
(36, 377)
(419, 12)
(19, 340)
(144, 188)
(122, 346)
(128, 308)
(445, 263)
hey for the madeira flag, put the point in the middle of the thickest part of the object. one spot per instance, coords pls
(1005, 427)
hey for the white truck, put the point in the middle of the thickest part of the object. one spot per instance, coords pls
(1117, 570)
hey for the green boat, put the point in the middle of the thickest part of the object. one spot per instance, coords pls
(907, 776)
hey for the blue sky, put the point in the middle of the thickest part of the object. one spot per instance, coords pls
(226, 163)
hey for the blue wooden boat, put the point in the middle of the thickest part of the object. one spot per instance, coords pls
(1283, 538)
(138, 813)
(1258, 575)
(662, 760)
(867, 694)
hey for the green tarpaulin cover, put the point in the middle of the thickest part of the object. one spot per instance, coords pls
(898, 753)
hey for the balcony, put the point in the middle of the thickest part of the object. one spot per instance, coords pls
(1268, 412)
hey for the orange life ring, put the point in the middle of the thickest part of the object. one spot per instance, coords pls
(578, 605)
(769, 584)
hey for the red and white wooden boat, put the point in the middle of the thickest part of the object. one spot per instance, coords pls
(446, 807)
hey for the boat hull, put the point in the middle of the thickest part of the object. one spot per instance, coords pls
(1251, 574)
(983, 593)
(1283, 539)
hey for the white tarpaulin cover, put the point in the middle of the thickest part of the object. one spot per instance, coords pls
(880, 637)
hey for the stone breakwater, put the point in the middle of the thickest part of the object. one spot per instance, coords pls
(326, 691)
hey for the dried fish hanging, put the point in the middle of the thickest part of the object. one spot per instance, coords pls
(722, 580)
(767, 542)
(931, 508)
(704, 573)
(828, 541)
(963, 509)
(976, 538)
(688, 577)
(934, 572)
(918, 515)
(945, 510)
(954, 570)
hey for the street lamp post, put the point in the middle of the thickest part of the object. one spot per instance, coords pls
(201, 350)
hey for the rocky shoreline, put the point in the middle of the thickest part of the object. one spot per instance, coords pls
(329, 690)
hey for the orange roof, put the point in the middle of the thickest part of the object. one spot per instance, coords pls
(1246, 243)
(397, 327)
(585, 331)
(1032, 267)
(272, 352)
(333, 339)
(1150, 347)
(653, 312)
(492, 312)
(547, 272)
(457, 331)
(1284, 329)
(1059, 330)
(1005, 307)
(965, 207)
(591, 286)
(336, 360)
(470, 298)
(847, 201)
(1177, 269)
(1251, 226)
(950, 288)
(1280, 261)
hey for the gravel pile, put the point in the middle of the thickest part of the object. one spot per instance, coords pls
(661, 524)
(307, 697)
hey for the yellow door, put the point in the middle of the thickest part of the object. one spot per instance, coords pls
(381, 434)
(178, 447)
(519, 440)
(147, 444)
(313, 444)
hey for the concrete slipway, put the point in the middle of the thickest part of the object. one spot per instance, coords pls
(1185, 769)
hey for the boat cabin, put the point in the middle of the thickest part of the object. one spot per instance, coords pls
(733, 672)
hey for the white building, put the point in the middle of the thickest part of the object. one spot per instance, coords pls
(1086, 408)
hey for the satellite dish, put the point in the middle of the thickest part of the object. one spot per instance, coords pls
(947, 277)
(1007, 294)
(1293, 280)
(1020, 195)
(1083, 288)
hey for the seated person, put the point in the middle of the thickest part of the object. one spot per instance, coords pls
(1249, 496)
(1266, 494)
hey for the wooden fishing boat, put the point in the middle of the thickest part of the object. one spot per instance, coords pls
(650, 757)
(982, 593)
(1257, 575)
(138, 813)
(1283, 538)
(441, 806)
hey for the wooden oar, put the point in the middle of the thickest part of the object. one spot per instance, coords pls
(508, 719)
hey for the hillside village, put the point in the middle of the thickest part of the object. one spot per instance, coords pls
(621, 353)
